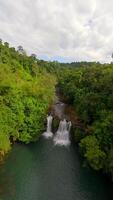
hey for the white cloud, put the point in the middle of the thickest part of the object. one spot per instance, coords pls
(70, 29)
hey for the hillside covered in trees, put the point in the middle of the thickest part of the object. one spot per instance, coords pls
(90, 91)
(26, 92)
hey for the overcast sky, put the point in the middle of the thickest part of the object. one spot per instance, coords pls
(64, 30)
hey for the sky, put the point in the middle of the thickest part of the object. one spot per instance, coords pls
(63, 30)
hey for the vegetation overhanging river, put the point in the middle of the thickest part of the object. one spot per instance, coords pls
(43, 171)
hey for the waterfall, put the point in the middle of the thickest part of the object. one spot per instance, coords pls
(48, 133)
(62, 135)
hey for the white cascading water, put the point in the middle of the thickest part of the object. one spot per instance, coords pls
(48, 133)
(62, 135)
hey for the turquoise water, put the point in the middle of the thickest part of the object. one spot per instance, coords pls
(42, 171)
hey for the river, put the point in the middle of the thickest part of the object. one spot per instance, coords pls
(43, 171)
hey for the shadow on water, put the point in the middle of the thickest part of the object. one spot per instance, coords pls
(42, 171)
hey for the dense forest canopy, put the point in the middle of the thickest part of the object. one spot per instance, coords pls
(27, 89)
(26, 92)
(90, 91)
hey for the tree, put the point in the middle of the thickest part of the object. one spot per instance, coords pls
(6, 44)
(34, 56)
(94, 156)
(21, 50)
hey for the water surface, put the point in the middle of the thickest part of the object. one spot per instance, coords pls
(42, 171)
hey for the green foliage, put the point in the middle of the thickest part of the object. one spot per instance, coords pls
(103, 130)
(79, 134)
(4, 145)
(89, 88)
(92, 152)
(109, 163)
(26, 92)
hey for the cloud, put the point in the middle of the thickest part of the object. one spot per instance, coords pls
(72, 30)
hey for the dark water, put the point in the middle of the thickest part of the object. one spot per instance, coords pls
(42, 171)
